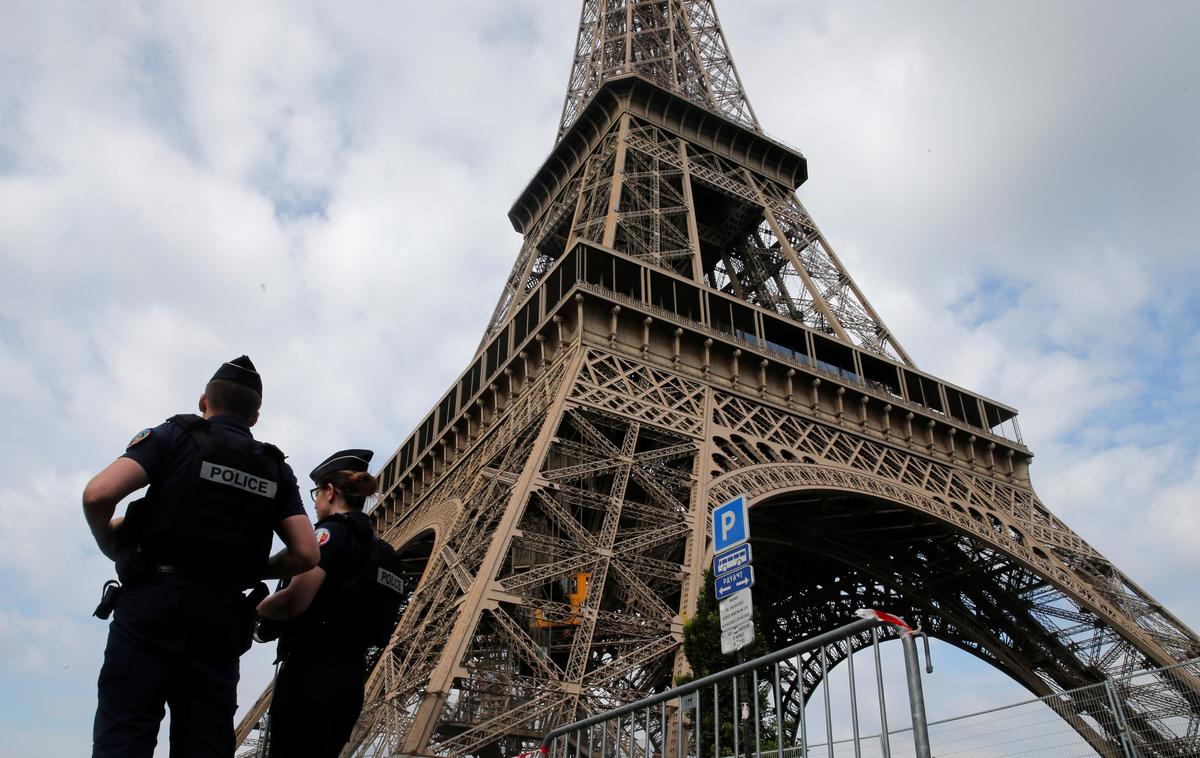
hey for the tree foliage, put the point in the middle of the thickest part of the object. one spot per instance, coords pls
(702, 646)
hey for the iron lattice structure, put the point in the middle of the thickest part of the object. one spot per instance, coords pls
(676, 330)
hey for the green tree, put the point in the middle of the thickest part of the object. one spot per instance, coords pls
(702, 646)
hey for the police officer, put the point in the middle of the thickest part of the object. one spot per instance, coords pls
(185, 554)
(322, 650)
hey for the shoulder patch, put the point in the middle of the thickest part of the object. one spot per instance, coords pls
(322, 536)
(139, 437)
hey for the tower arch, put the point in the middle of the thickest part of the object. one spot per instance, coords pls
(836, 539)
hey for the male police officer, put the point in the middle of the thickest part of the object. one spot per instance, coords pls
(185, 554)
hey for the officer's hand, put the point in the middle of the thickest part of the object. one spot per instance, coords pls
(266, 631)
(109, 542)
(257, 594)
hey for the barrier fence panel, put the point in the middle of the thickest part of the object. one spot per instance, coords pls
(754, 708)
(1152, 713)
(1033, 728)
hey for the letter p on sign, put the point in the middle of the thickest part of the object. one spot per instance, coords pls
(731, 525)
(728, 521)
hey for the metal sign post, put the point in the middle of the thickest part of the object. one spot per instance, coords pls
(734, 576)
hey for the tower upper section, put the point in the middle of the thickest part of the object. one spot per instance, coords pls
(660, 159)
(677, 44)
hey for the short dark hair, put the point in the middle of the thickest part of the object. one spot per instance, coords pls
(230, 397)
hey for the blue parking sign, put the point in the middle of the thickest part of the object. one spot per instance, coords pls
(731, 524)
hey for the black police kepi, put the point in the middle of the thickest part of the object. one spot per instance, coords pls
(342, 460)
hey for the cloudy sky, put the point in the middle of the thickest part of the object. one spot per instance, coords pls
(324, 187)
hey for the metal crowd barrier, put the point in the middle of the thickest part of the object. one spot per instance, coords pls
(670, 724)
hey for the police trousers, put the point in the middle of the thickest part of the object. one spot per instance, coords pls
(174, 641)
(318, 696)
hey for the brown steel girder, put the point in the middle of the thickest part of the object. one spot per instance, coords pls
(608, 495)
(624, 449)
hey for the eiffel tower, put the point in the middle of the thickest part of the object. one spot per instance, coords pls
(675, 331)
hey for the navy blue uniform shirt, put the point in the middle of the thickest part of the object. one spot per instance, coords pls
(166, 451)
(343, 552)
(342, 548)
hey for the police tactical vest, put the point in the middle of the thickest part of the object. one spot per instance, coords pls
(361, 610)
(379, 591)
(217, 521)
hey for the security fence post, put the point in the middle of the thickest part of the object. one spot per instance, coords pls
(1119, 716)
(916, 695)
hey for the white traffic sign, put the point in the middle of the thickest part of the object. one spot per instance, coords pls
(736, 640)
(736, 610)
(731, 524)
(737, 621)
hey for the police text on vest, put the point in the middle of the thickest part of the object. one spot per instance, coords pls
(232, 477)
(390, 580)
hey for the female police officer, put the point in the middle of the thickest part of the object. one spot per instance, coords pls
(319, 689)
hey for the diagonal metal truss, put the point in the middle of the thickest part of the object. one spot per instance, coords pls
(617, 480)
(677, 44)
(620, 639)
(661, 198)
